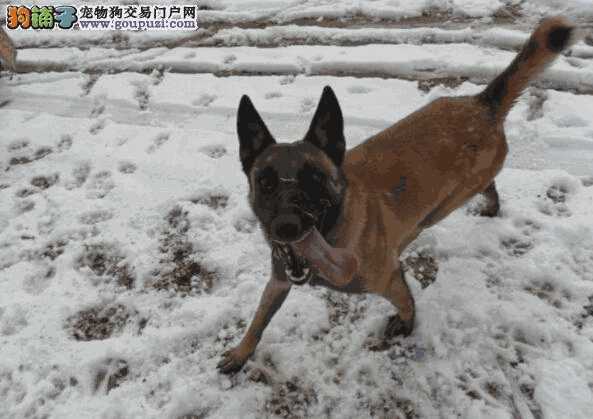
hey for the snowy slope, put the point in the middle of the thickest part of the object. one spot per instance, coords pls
(129, 258)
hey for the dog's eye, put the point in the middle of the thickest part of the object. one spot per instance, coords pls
(317, 177)
(267, 183)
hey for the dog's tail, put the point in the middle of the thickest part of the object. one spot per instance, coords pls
(548, 40)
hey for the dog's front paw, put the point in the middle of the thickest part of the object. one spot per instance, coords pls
(232, 361)
(396, 326)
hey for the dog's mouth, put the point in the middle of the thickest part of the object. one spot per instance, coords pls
(297, 269)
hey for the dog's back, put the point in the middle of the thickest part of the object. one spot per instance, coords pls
(434, 160)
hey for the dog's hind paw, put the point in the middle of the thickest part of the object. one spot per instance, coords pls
(398, 327)
(232, 361)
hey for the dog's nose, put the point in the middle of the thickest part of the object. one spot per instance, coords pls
(286, 228)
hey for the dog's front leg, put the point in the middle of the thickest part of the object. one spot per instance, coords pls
(274, 295)
(400, 296)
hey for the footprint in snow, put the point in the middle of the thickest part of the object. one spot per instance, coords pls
(97, 126)
(110, 374)
(214, 151)
(272, 95)
(587, 181)
(214, 200)
(288, 79)
(126, 167)
(229, 59)
(554, 202)
(142, 95)
(17, 145)
(99, 185)
(24, 206)
(80, 174)
(157, 142)
(358, 89)
(23, 154)
(307, 105)
(89, 83)
(97, 110)
(13, 319)
(516, 246)
(157, 75)
(37, 282)
(204, 100)
(45, 182)
(65, 143)
(95, 216)
(547, 292)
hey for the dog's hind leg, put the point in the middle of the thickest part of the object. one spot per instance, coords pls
(492, 204)
(400, 296)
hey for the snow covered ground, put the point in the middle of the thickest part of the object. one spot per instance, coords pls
(129, 258)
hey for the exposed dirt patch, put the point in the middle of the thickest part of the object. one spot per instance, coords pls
(393, 407)
(423, 266)
(509, 13)
(180, 270)
(194, 415)
(111, 374)
(451, 82)
(106, 262)
(100, 322)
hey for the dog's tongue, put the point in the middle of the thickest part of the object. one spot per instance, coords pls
(338, 266)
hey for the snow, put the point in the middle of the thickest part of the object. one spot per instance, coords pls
(119, 175)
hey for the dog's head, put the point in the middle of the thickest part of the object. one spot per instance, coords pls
(294, 186)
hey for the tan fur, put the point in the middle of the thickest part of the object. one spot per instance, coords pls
(416, 172)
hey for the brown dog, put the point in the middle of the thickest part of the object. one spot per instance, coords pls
(376, 198)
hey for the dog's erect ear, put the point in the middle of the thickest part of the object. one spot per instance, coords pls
(254, 136)
(327, 128)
